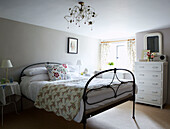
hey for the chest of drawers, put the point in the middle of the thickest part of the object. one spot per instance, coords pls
(151, 79)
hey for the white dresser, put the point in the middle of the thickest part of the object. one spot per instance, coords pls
(151, 79)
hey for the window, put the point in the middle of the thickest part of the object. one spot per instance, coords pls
(118, 55)
(122, 54)
(121, 60)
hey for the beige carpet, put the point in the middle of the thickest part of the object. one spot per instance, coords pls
(147, 117)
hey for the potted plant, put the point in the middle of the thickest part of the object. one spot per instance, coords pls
(111, 64)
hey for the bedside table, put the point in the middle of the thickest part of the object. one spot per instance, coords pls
(9, 94)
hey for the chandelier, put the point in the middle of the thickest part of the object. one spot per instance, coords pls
(79, 14)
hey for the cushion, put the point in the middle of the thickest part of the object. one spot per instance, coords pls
(38, 77)
(74, 75)
(58, 72)
(35, 71)
(72, 68)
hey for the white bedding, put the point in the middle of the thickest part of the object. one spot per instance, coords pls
(31, 90)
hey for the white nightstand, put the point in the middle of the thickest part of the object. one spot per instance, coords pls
(9, 94)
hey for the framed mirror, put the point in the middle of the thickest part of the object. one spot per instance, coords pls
(153, 42)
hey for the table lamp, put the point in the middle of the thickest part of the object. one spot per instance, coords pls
(6, 64)
(79, 64)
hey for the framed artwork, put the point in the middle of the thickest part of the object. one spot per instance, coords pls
(72, 45)
(144, 54)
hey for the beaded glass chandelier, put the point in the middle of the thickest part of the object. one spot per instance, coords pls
(79, 14)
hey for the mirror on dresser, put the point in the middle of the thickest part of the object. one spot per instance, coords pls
(153, 42)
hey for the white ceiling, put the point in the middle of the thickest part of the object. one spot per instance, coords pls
(116, 18)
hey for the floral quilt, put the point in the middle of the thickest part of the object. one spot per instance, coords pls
(62, 100)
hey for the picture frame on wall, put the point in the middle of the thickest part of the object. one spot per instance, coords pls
(72, 46)
(144, 54)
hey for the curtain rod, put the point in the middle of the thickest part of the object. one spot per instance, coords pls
(117, 41)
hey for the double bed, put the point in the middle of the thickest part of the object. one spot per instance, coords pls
(91, 95)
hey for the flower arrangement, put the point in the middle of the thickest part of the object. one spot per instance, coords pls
(150, 55)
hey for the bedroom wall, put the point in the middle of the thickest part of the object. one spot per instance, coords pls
(166, 47)
(25, 44)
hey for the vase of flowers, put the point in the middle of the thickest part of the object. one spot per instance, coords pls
(150, 56)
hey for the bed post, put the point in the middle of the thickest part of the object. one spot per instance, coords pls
(84, 120)
(84, 123)
(133, 116)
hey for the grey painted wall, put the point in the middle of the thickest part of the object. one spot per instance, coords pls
(166, 48)
(25, 44)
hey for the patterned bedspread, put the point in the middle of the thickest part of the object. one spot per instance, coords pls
(64, 99)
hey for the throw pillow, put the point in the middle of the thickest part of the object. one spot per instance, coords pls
(57, 71)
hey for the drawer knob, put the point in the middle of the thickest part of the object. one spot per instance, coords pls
(154, 75)
(154, 92)
(141, 66)
(154, 100)
(141, 82)
(154, 83)
(141, 74)
(141, 98)
(154, 67)
(141, 90)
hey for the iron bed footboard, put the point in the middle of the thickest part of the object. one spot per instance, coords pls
(85, 98)
(85, 93)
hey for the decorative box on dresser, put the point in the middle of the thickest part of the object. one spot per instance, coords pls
(151, 79)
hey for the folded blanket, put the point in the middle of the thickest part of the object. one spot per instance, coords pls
(62, 100)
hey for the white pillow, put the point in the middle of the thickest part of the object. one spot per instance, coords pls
(72, 68)
(75, 75)
(35, 71)
(38, 77)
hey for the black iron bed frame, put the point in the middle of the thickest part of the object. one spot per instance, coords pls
(85, 93)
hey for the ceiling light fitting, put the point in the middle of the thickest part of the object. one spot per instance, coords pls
(80, 14)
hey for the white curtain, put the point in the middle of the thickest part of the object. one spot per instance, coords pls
(105, 51)
(108, 54)
(131, 49)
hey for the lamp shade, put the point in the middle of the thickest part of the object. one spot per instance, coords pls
(79, 62)
(6, 64)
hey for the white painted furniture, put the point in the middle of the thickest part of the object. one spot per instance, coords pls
(151, 79)
(7, 91)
